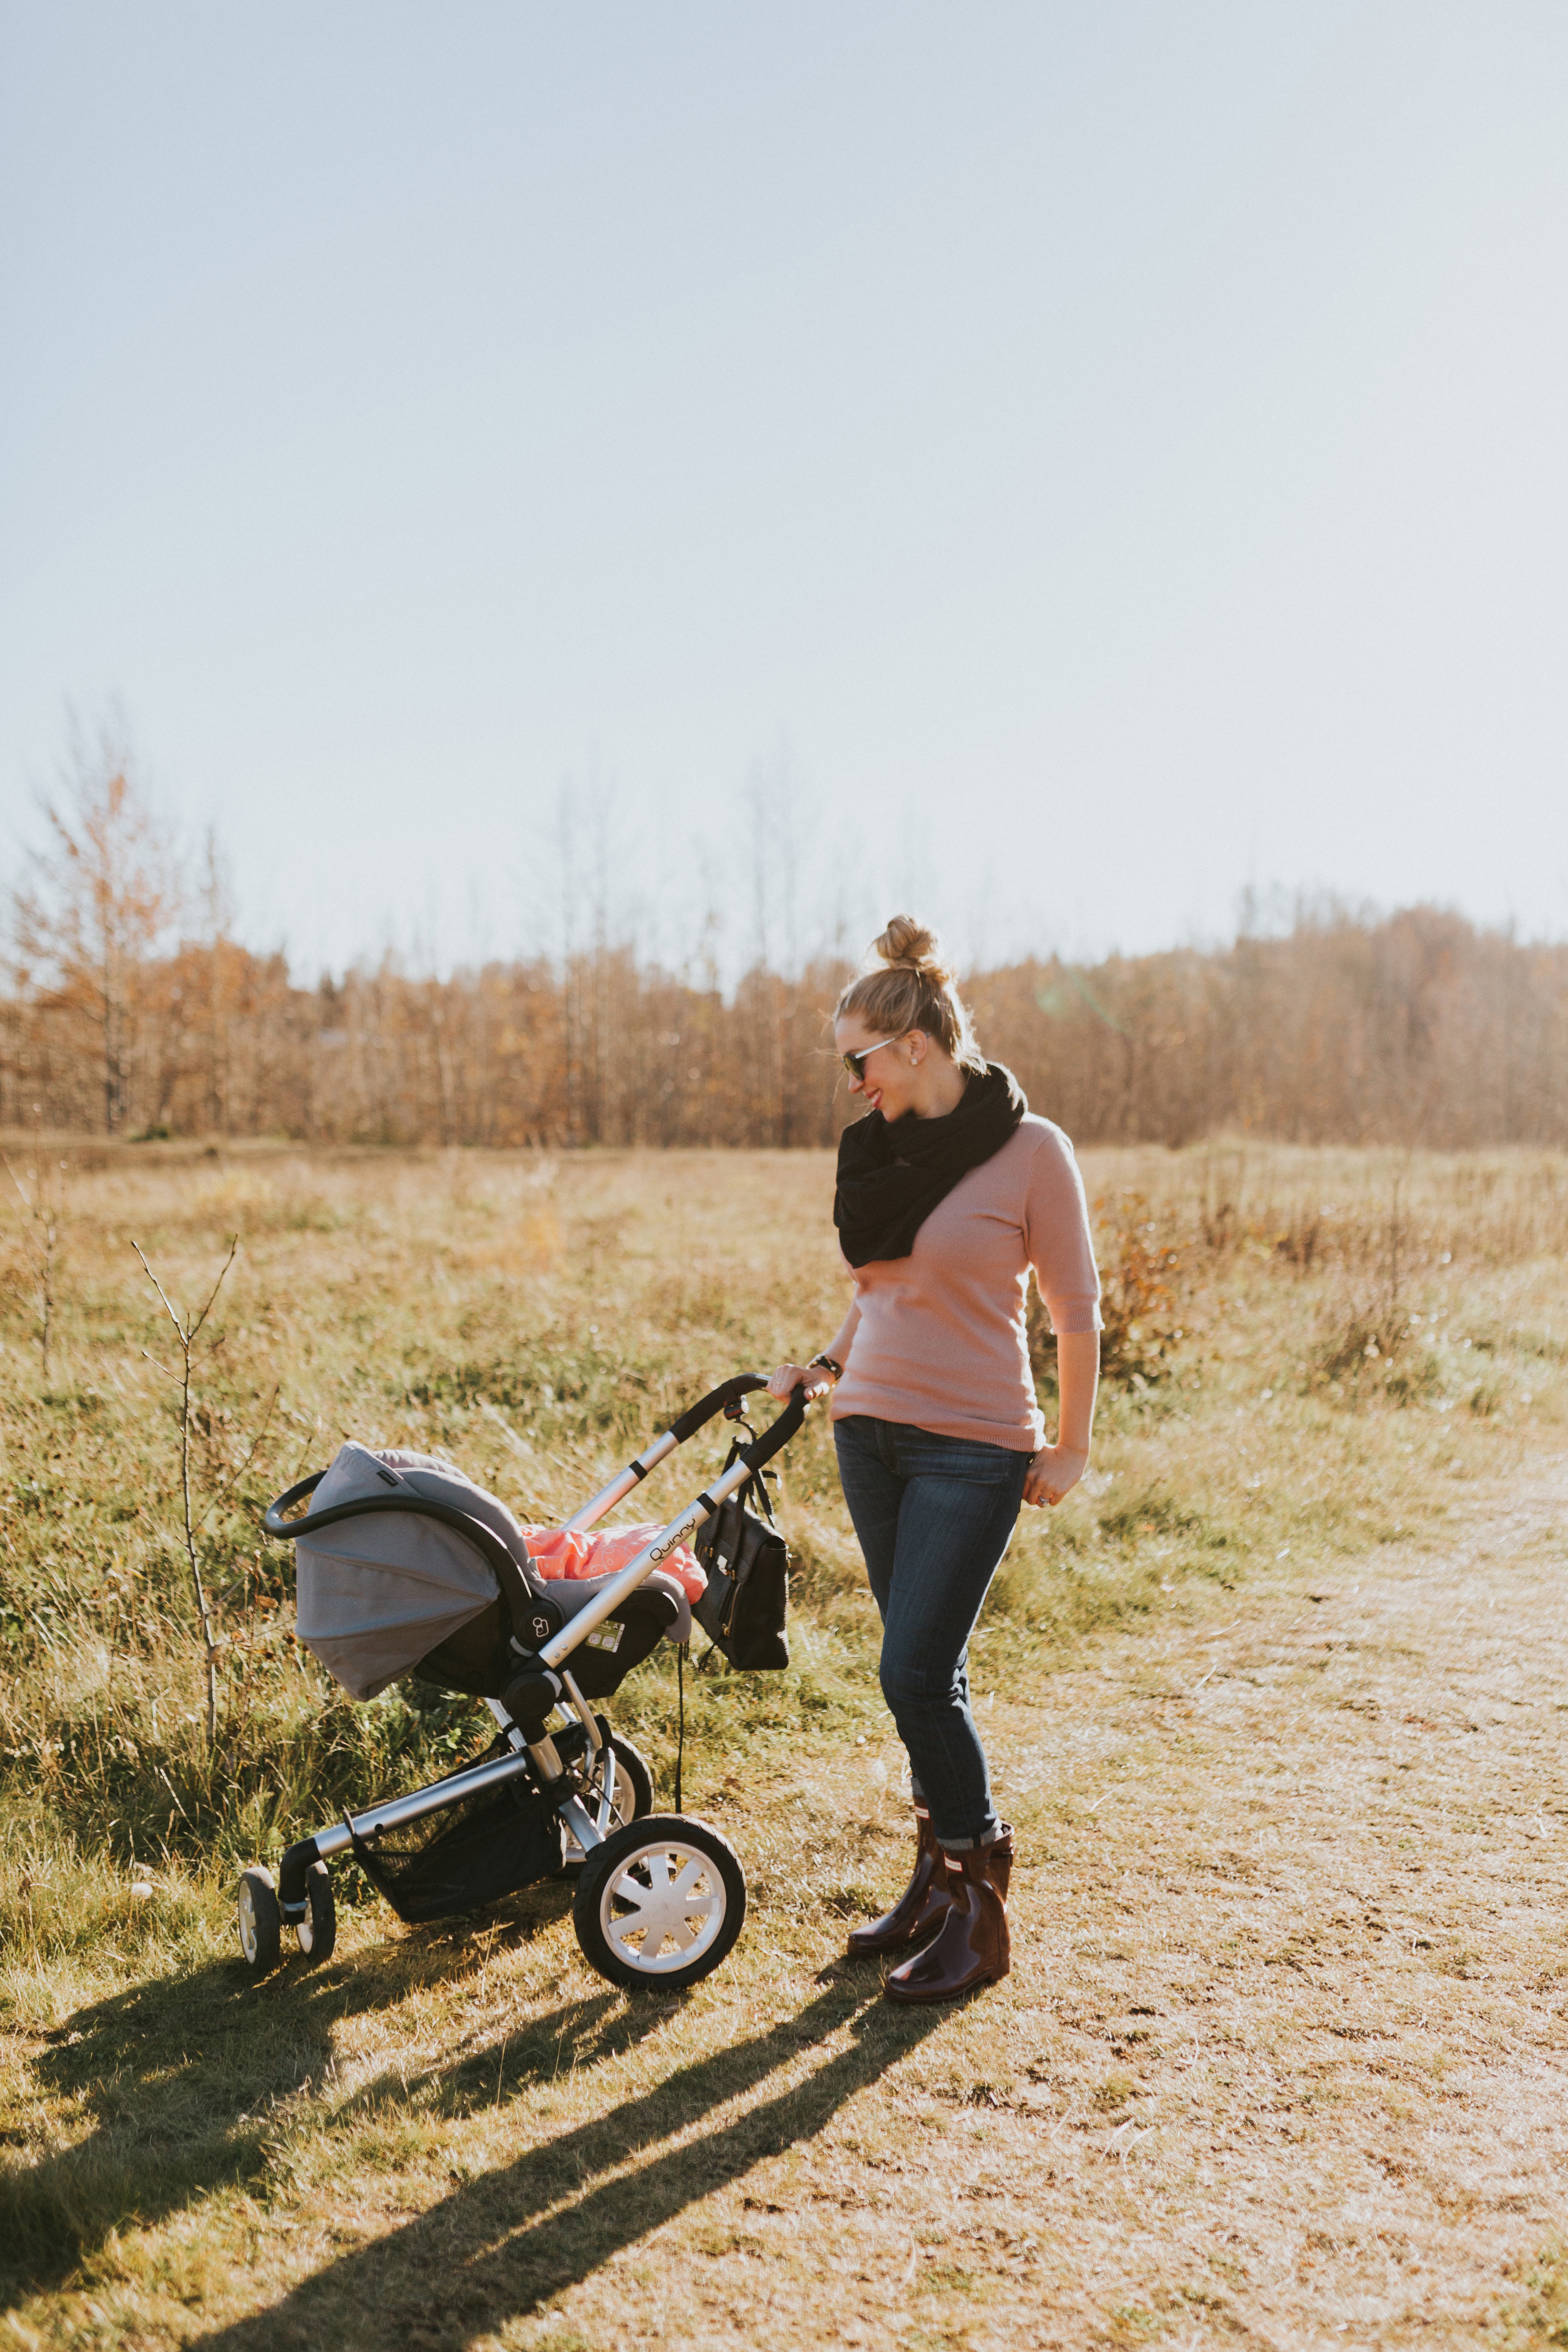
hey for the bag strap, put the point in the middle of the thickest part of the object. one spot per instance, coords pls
(756, 1487)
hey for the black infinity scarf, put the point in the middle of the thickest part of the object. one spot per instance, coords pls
(890, 1177)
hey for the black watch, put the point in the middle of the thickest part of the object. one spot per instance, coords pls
(828, 1365)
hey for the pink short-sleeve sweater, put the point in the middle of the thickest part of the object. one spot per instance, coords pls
(941, 1341)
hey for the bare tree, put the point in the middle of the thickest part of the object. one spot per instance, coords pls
(97, 899)
(218, 941)
(186, 1330)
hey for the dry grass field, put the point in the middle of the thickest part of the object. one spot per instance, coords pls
(1276, 1702)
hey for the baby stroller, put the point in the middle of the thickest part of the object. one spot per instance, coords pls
(413, 1569)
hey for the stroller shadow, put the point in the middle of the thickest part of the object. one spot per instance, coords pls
(498, 2246)
(182, 2077)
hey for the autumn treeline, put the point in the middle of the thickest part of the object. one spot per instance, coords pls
(133, 1011)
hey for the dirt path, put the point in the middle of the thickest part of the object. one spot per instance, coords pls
(1283, 2059)
(1294, 1976)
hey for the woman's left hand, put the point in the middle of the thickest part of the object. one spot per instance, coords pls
(1054, 1471)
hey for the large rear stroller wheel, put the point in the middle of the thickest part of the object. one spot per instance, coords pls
(621, 1771)
(659, 1904)
(259, 1921)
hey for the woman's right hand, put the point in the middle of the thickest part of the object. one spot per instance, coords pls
(790, 1377)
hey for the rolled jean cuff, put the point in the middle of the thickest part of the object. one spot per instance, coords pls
(970, 1845)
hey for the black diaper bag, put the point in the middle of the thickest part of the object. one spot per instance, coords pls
(745, 1609)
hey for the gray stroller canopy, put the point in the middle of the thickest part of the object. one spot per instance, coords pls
(376, 1593)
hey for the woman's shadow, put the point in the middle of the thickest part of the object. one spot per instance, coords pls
(185, 2077)
(498, 2246)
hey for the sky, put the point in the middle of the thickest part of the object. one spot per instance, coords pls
(726, 474)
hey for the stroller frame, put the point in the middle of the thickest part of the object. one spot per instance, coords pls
(674, 1874)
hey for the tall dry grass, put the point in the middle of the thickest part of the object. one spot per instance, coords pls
(1302, 1348)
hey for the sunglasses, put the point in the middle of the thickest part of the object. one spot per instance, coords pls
(856, 1063)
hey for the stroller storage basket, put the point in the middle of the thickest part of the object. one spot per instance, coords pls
(470, 1853)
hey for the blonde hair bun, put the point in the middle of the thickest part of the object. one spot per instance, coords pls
(906, 983)
(907, 945)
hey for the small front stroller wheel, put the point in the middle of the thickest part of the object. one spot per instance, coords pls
(259, 1921)
(660, 1903)
(317, 1932)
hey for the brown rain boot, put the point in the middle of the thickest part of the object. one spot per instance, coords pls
(971, 1947)
(919, 1909)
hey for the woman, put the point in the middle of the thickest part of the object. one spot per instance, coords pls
(947, 1194)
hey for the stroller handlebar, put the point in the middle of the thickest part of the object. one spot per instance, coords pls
(777, 1435)
(680, 1530)
(728, 1395)
(726, 1399)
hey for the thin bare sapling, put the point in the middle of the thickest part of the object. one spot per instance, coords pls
(187, 1330)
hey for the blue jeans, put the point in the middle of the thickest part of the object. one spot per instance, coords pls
(933, 1516)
